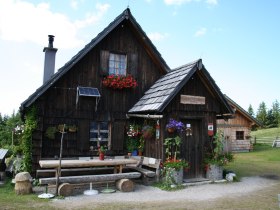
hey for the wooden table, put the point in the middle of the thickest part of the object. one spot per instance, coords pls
(117, 163)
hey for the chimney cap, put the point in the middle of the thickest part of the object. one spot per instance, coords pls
(51, 39)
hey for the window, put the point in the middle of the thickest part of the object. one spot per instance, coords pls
(239, 135)
(99, 134)
(117, 64)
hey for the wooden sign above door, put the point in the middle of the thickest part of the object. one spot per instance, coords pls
(188, 99)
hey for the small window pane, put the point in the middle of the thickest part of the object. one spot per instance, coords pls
(239, 135)
(117, 64)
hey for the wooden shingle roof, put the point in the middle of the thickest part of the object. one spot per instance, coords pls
(167, 87)
(124, 16)
(243, 112)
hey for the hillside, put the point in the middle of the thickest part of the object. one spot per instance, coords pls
(266, 133)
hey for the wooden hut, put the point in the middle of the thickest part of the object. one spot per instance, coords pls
(189, 95)
(82, 94)
(237, 130)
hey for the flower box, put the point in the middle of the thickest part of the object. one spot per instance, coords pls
(119, 82)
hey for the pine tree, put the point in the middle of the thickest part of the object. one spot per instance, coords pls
(275, 113)
(251, 111)
(262, 114)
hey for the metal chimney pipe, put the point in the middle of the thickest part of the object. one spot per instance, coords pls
(49, 64)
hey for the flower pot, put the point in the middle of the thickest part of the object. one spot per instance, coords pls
(101, 156)
(178, 176)
(171, 130)
(134, 153)
(214, 172)
(140, 153)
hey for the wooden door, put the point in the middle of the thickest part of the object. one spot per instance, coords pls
(192, 148)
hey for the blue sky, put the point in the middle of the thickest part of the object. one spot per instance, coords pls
(238, 41)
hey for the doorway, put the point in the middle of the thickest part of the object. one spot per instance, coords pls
(192, 148)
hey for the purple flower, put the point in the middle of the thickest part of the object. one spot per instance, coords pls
(179, 126)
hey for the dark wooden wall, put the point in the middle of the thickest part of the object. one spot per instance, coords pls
(58, 104)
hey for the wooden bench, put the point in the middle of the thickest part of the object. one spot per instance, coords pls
(276, 143)
(90, 178)
(43, 173)
(68, 184)
(148, 167)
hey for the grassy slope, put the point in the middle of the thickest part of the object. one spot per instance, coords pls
(269, 132)
(264, 160)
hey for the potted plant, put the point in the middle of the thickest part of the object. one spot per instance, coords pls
(101, 152)
(148, 132)
(141, 146)
(72, 128)
(50, 132)
(173, 167)
(131, 145)
(217, 158)
(174, 125)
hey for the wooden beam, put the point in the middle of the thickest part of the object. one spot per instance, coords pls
(148, 116)
(90, 178)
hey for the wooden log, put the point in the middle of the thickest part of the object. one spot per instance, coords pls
(90, 178)
(65, 189)
(125, 185)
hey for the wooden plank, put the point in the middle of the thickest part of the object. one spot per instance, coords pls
(85, 163)
(188, 99)
(90, 178)
(143, 171)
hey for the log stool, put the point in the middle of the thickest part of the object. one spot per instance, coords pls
(125, 185)
(23, 183)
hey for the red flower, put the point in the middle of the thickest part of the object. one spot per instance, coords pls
(119, 82)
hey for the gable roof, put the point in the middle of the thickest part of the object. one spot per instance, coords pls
(243, 111)
(167, 87)
(125, 15)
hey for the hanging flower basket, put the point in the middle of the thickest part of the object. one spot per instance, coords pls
(171, 130)
(119, 82)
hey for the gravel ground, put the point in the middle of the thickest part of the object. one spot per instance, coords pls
(152, 195)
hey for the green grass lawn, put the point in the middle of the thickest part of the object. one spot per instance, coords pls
(264, 160)
(9, 200)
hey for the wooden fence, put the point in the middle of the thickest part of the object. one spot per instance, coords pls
(264, 140)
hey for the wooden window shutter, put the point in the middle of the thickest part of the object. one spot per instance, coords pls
(117, 138)
(133, 64)
(104, 62)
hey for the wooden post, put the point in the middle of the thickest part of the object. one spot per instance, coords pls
(58, 172)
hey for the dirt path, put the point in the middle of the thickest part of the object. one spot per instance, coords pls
(249, 193)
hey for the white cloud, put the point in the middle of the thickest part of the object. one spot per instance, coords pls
(176, 2)
(25, 21)
(200, 32)
(74, 4)
(156, 36)
(212, 2)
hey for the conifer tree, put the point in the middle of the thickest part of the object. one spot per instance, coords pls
(251, 111)
(262, 113)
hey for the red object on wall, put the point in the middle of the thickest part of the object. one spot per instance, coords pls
(210, 129)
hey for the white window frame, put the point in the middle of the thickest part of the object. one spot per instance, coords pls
(117, 64)
(99, 140)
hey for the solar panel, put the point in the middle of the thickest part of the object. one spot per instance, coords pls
(88, 91)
